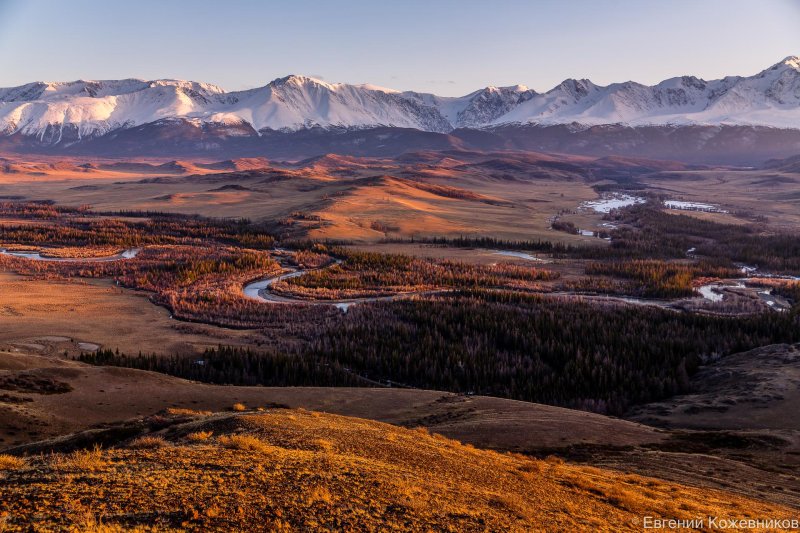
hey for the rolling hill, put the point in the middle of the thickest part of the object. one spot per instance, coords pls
(262, 469)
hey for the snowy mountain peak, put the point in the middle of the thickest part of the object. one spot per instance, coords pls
(508, 89)
(300, 81)
(206, 88)
(576, 88)
(791, 62)
(372, 87)
(77, 109)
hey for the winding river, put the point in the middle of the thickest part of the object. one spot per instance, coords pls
(37, 256)
(260, 290)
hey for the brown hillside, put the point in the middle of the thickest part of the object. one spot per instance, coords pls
(287, 470)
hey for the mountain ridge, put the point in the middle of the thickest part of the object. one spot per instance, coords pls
(91, 108)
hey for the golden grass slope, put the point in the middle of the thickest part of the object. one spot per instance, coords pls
(294, 470)
(46, 316)
(330, 197)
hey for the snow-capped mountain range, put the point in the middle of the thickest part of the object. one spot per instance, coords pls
(95, 108)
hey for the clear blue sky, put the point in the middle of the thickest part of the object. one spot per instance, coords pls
(444, 46)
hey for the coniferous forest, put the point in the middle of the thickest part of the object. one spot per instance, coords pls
(529, 348)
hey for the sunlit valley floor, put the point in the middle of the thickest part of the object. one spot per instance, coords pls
(443, 340)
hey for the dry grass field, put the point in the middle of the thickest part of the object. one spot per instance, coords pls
(770, 193)
(515, 211)
(507, 195)
(54, 316)
(285, 470)
(361, 199)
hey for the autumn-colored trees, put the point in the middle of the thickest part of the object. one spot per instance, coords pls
(363, 274)
(657, 278)
(79, 227)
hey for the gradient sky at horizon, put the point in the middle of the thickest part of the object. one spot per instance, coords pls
(447, 47)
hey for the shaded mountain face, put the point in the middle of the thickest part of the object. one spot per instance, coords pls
(709, 145)
(136, 117)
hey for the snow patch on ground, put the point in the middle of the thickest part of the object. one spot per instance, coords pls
(521, 255)
(693, 206)
(713, 292)
(609, 203)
